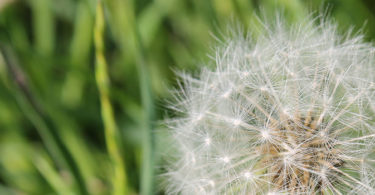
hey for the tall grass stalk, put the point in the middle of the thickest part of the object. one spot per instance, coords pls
(148, 143)
(148, 137)
(122, 13)
(43, 26)
(119, 179)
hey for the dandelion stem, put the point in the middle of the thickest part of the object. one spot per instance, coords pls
(110, 128)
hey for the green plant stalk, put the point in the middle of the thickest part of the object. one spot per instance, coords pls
(32, 110)
(43, 26)
(149, 115)
(51, 175)
(148, 137)
(111, 131)
(131, 40)
(148, 144)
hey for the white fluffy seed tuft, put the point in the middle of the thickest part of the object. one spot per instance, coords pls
(291, 112)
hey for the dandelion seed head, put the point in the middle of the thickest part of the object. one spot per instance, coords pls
(288, 113)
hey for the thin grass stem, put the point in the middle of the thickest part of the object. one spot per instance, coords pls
(119, 180)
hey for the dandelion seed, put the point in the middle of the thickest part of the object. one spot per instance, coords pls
(265, 134)
(236, 122)
(298, 117)
(225, 159)
(247, 175)
(198, 117)
(207, 141)
(226, 94)
(263, 88)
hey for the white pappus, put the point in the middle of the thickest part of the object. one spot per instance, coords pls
(290, 112)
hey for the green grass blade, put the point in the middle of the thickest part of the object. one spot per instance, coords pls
(111, 131)
(43, 26)
(34, 112)
(148, 137)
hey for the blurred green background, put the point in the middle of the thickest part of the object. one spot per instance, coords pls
(83, 84)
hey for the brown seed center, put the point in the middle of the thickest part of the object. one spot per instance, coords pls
(302, 156)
